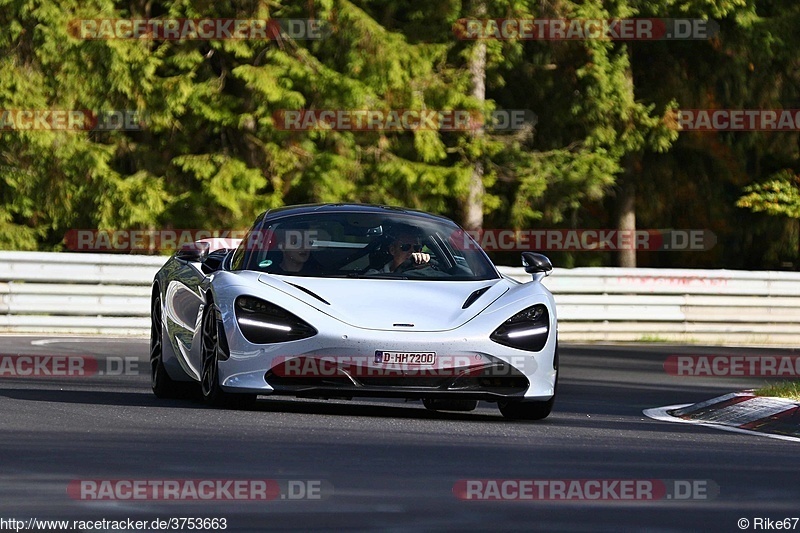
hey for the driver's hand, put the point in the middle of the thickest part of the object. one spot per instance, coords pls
(419, 258)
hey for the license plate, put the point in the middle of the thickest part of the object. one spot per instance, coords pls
(406, 358)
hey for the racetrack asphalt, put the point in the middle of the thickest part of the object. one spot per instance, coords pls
(388, 465)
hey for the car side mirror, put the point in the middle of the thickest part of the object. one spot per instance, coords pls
(536, 264)
(195, 252)
(214, 261)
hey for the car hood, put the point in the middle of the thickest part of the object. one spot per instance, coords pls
(392, 305)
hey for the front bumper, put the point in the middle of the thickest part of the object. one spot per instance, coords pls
(470, 366)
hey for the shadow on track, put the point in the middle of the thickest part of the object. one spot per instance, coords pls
(271, 405)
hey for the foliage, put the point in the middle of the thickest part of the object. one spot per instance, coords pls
(212, 155)
(778, 196)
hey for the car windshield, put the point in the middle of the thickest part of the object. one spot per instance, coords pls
(364, 245)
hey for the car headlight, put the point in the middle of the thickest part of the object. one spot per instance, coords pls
(262, 322)
(527, 330)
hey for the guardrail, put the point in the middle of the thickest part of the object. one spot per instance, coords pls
(109, 294)
(689, 306)
(44, 292)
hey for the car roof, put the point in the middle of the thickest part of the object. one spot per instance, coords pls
(291, 210)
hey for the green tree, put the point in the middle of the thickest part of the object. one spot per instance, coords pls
(51, 181)
(779, 196)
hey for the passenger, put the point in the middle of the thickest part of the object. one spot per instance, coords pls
(294, 259)
(295, 253)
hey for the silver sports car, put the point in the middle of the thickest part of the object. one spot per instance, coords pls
(339, 301)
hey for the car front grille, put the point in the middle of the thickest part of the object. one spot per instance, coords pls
(493, 379)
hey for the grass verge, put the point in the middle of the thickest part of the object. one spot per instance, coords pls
(785, 389)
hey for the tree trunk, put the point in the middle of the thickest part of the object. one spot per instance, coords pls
(626, 217)
(473, 210)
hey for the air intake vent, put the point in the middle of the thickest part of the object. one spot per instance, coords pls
(315, 295)
(474, 296)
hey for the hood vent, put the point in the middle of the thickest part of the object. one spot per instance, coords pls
(310, 293)
(474, 296)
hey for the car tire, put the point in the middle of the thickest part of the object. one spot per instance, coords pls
(517, 410)
(449, 405)
(211, 390)
(163, 385)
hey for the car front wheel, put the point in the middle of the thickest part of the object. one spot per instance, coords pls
(212, 391)
(517, 410)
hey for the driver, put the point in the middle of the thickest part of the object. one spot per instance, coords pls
(406, 246)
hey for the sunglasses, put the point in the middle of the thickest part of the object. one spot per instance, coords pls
(407, 247)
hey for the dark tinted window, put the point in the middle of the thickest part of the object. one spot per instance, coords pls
(362, 245)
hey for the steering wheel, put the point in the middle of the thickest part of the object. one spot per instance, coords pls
(409, 264)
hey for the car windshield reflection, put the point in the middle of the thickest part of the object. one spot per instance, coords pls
(365, 246)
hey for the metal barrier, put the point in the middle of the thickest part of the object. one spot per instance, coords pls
(59, 293)
(76, 293)
(687, 306)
